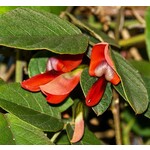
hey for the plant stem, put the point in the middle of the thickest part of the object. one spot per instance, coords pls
(83, 26)
(126, 131)
(133, 40)
(19, 75)
(116, 116)
(119, 23)
(55, 136)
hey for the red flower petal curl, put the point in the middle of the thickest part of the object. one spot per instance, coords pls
(56, 99)
(99, 55)
(96, 92)
(33, 84)
(64, 62)
(62, 84)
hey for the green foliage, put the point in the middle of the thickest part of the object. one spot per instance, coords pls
(6, 136)
(30, 107)
(38, 62)
(147, 31)
(86, 82)
(26, 117)
(142, 66)
(17, 132)
(51, 9)
(132, 84)
(34, 30)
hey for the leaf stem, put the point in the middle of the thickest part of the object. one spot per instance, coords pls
(19, 75)
(126, 131)
(116, 116)
(133, 40)
(83, 26)
(119, 23)
(54, 137)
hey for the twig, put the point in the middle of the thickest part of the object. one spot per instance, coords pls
(138, 17)
(81, 25)
(135, 53)
(133, 40)
(54, 137)
(119, 23)
(116, 116)
(9, 72)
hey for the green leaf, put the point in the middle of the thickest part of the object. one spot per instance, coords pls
(139, 124)
(38, 62)
(65, 105)
(88, 138)
(4, 9)
(142, 66)
(24, 133)
(6, 136)
(51, 9)
(34, 30)
(62, 139)
(147, 84)
(132, 84)
(30, 107)
(86, 83)
(147, 31)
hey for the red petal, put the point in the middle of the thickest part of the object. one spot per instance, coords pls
(62, 84)
(69, 62)
(115, 80)
(96, 92)
(56, 99)
(33, 84)
(97, 56)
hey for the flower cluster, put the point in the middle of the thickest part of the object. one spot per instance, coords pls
(59, 79)
(101, 66)
(63, 74)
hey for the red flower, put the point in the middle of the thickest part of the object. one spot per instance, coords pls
(101, 66)
(58, 80)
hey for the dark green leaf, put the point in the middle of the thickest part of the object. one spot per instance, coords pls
(6, 136)
(34, 30)
(26, 134)
(138, 124)
(147, 84)
(88, 138)
(86, 83)
(30, 107)
(62, 139)
(65, 105)
(132, 84)
(147, 31)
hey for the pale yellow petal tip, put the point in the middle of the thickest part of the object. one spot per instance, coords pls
(79, 129)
